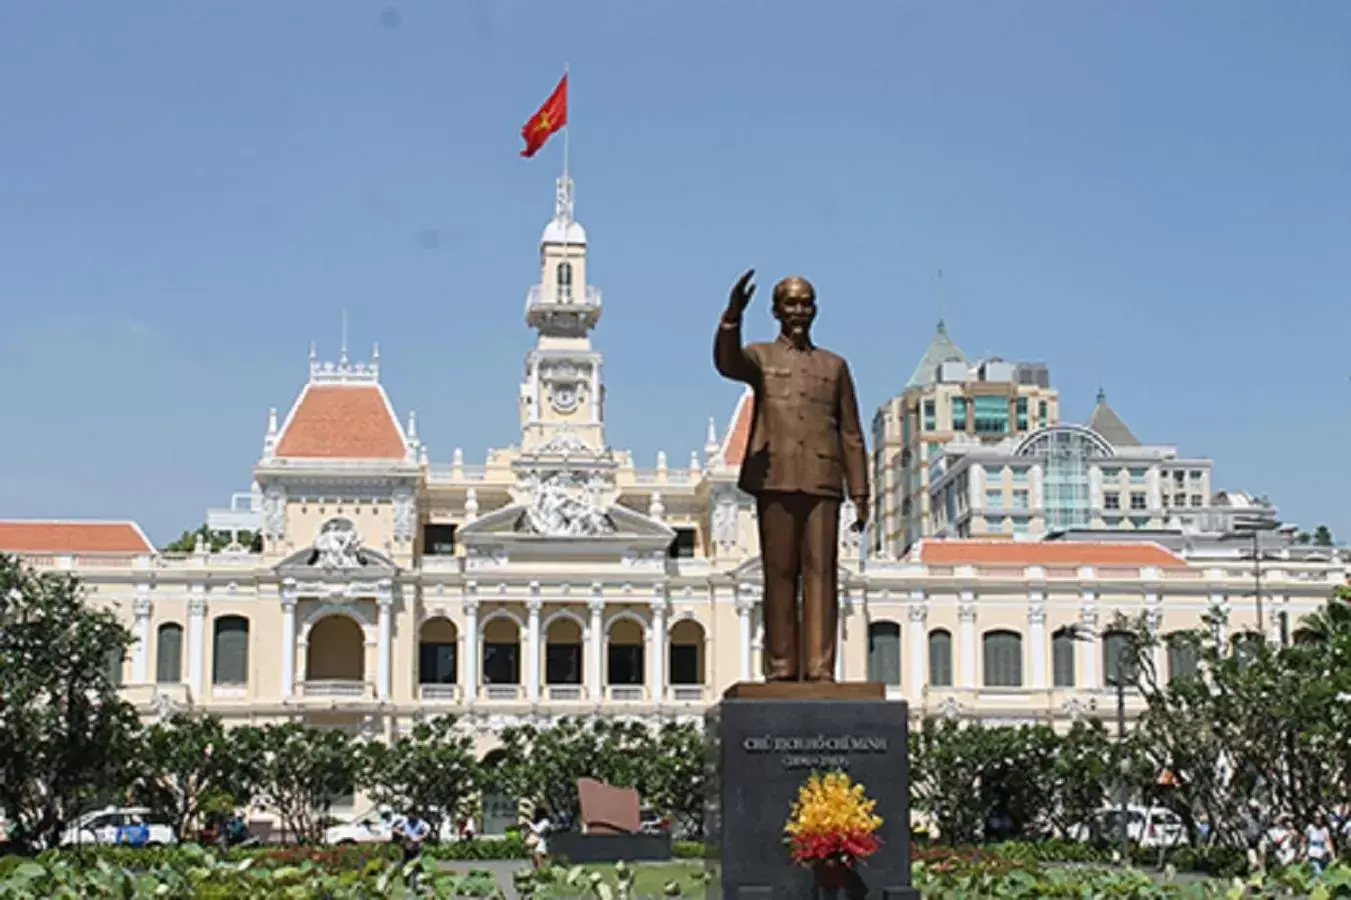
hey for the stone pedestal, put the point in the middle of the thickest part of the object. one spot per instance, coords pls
(764, 741)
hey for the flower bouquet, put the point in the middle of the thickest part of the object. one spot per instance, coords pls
(832, 827)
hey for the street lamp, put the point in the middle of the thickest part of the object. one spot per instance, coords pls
(1252, 528)
(1124, 672)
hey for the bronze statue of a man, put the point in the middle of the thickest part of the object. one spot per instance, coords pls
(805, 445)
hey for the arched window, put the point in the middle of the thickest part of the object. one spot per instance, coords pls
(169, 654)
(564, 272)
(1182, 657)
(884, 653)
(230, 653)
(940, 658)
(1065, 452)
(1247, 646)
(1003, 659)
(112, 666)
(1118, 661)
(1062, 658)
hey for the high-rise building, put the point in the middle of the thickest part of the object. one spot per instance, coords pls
(948, 396)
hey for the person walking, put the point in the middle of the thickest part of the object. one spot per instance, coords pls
(410, 833)
(1318, 843)
(537, 839)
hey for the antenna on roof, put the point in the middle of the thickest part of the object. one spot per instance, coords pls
(938, 300)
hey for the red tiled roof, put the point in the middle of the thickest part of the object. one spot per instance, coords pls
(738, 430)
(1046, 553)
(342, 422)
(72, 537)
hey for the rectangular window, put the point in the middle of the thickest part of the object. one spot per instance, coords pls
(563, 664)
(1020, 499)
(436, 663)
(940, 659)
(1137, 476)
(683, 545)
(994, 473)
(501, 664)
(959, 414)
(1109, 474)
(1139, 523)
(1022, 413)
(930, 420)
(1180, 478)
(1019, 475)
(1020, 525)
(1195, 474)
(995, 525)
(905, 429)
(994, 498)
(625, 664)
(684, 661)
(438, 540)
(991, 415)
(1062, 659)
(1179, 499)
(1138, 500)
(1198, 500)
(1111, 500)
(1041, 414)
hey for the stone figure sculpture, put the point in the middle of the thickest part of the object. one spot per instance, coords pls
(338, 546)
(804, 448)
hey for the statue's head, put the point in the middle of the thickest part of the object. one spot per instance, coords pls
(795, 306)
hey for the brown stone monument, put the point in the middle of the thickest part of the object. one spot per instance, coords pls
(804, 449)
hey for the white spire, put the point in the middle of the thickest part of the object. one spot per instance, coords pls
(711, 442)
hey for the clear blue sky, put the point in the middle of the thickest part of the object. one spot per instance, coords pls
(1148, 196)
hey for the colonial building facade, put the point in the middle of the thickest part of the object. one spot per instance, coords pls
(557, 577)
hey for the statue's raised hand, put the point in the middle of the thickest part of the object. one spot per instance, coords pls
(741, 295)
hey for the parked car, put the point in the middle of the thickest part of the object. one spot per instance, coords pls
(128, 825)
(375, 827)
(1151, 826)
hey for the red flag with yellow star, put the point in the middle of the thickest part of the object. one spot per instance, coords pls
(552, 116)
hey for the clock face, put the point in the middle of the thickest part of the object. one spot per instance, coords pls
(564, 397)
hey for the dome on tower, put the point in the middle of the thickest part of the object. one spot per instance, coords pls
(563, 231)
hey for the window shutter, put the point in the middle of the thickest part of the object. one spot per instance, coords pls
(169, 654)
(940, 659)
(1062, 659)
(1003, 659)
(884, 653)
(231, 656)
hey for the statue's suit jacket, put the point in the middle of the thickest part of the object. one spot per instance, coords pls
(805, 435)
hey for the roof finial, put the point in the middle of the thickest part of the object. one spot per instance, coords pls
(1102, 395)
(272, 421)
(342, 357)
(314, 352)
(412, 424)
(375, 352)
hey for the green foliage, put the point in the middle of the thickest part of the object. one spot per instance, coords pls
(215, 540)
(667, 768)
(193, 764)
(432, 770)
(66, 738)
(303, 769)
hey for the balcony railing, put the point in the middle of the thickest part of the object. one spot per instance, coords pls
(626, 693)
(148, 696)
(688, 693)
(565, 693)
(502, 692)
(336, 689)
(591, 298)
(439, 693)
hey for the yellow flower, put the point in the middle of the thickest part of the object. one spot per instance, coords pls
(832, 804)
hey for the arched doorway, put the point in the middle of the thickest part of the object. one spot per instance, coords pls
(685, 661)
(499, 806)
(624, 659)
(335, 660)
(438, 659)
(502, 658)
(563, 659)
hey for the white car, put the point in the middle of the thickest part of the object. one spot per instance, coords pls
(372, 828)
(132, 826)
(1145, 827)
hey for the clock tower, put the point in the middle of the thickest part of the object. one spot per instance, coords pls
(563, 395)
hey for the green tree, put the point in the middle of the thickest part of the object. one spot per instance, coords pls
(215, 540)
(302, 771)
(1322, 536)
(675, 782)
(432, 770)
(192, 762)
(66, 738)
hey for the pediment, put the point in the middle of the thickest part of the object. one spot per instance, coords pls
(337, 552)
(616, 524)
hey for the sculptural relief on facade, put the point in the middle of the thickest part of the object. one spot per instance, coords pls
(850, 539)
(274, 513)
(338, 546)
(405, 515)
(565, 382)
(565, 503)
(724, 520)
(564, 442)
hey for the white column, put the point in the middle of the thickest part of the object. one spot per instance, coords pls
(196, 643)
(1153, 619)
(595, 652)
(471, 641)
(595, 390)
(657, 651)
(966, 618)
(846, 606)
(385, 604)
(744, 604)
(288, 641)
(532, 608)
(919, 645)
(1036, 638)
(1088, 648)
(1219, 607)
(140, 659)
